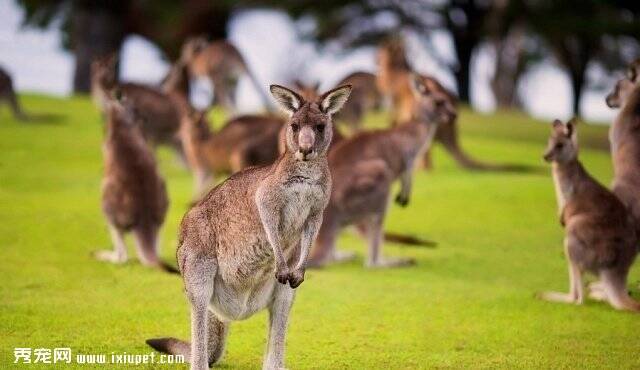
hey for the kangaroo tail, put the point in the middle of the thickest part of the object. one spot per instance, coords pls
(166, 267)
(171, 346)
(408, 240)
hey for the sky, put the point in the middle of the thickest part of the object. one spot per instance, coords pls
(268, 40)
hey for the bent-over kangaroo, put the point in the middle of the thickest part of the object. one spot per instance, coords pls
(364, 97)
(134, 195)
(258, 220)
(244, 141)
(624, 136)
(8, 96)
(364, 167)
(161, 114)
(222, 63)
(599, 234)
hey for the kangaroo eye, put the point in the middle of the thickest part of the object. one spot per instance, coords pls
(559, 145)
(295, 127)
(320, 128)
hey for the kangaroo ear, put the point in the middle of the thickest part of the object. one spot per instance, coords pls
(418, 86)
(333, 100)
(288, 100)
(570, 129)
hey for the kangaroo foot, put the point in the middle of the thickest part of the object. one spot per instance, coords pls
(388, 262)
(558, 297)
(110, 256)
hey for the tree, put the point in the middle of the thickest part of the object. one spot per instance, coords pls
(93, 28)
(576, 33)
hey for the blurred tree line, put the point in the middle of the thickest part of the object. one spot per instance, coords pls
(520, 33)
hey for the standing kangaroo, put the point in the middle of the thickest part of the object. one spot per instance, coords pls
(365, 166)
(599, 234)
(364, 97)
(624, 136)
(222, 63)
(134, 196)
(257, 220)
(8, 95)
(393, 81)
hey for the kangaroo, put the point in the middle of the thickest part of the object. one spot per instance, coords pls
(599, 233)
(364, 97)
(134, 195)
(365, 166)
(393, 81)
(161, 113)
(258, 219)
(249, 140)
(222, 63)
(625, 140)
(8, 96)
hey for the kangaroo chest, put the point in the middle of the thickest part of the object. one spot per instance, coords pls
(300, 196)
(563, 189)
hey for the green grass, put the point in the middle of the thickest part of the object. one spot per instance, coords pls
(469, 303)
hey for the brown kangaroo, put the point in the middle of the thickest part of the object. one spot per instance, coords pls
(8, 96)
(259, 220)
(134, 196)
(365, 166)
(624, 136)
(244, 141)
(161, 113)
(393, 81)
(599, 233)
(222, 63)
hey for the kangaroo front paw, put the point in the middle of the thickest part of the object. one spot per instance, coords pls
(282, 275)
(402, 200)
(296, 278)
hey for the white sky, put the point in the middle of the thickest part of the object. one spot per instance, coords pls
(269, 43)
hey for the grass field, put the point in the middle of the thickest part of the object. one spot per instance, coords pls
(469, 303)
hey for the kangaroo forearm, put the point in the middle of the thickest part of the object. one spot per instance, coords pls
(309, 235)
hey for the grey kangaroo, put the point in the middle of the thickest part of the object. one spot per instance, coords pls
(134, 196)
(599, 234)
(365, 166)
(259, 220)
(624, 136)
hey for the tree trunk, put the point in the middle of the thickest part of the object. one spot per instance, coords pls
(464, 50)
(577, 83)
(574, 53)
(510, 65)
(96, 32)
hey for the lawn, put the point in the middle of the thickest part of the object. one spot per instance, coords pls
(469, 303)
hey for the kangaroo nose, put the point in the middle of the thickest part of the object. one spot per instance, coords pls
(305, 140)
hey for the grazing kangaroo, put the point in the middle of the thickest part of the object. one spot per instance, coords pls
(393, 81)
(244, 141)
(365, 166)
(222, 63)
(134, 196)
(8, 96)
(624, 136)
(600, 237)
(258, 220)
(364, 97)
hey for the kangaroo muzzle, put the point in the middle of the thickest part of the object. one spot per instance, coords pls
(306, 139)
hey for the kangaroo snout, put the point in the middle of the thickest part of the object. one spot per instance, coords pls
(306, 139)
